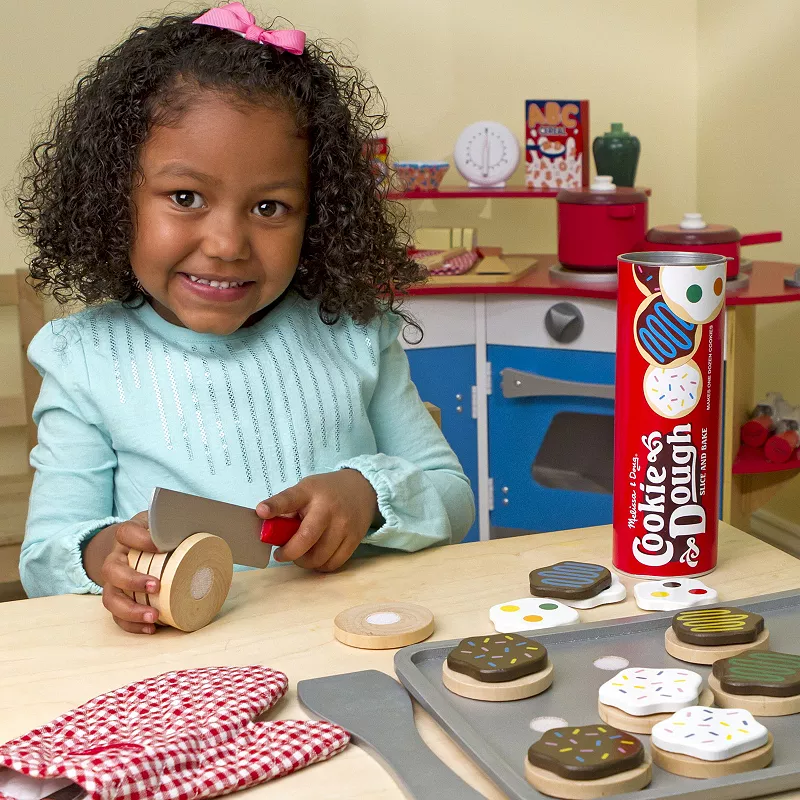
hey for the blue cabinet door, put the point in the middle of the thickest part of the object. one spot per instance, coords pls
(550, 457)
(441, 374)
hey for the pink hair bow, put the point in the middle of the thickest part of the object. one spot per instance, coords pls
(235, 17)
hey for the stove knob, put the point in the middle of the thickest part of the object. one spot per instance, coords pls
(564, 322)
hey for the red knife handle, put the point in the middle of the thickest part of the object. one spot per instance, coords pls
(278, 530)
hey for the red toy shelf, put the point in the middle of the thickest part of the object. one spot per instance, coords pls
(751, 461)
(463, 192)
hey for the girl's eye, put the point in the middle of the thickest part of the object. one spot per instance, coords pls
(270, 208)
(187, 199)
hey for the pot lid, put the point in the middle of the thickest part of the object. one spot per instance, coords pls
(693, 230)
(602, 192)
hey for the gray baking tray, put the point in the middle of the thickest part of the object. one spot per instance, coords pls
(497, 735)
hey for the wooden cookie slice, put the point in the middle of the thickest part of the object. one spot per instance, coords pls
(570, 580)
(383, 626)
(517, 689)
(133, 562)
(497, 658)
(580, 763)
(642, 724)
(698, 654)
(691, 767)
(720, 625)
(142, 566)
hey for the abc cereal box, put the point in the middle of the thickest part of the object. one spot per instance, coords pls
(557, 144)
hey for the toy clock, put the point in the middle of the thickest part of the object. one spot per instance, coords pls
(486, 154)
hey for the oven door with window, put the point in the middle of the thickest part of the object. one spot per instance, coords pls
(550, 414)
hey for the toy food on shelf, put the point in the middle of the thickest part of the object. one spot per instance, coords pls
(761, 424)
(557, 144)
(616, 153)
(780, 447)
(376, 149)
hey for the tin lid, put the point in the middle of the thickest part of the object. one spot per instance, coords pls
(693, 230)
(616, 196)
(673, 258)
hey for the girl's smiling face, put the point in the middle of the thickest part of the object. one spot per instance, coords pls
(223, 197)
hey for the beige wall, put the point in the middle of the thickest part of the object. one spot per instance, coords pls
(709, 86)
(748, 166)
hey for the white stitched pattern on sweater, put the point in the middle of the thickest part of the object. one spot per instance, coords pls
(95, 334)
(323, 357)
(178, 405)
(301, 393)
(349, 337)
(213, 395)
(187, 367)
(253, 418)
(270, 412)
(320, 405)
(368, 340)
(235, 411)
(286, 405)
(115, 359)
(131, 356)
(156, 389)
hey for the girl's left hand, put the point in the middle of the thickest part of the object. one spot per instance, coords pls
(336, 508)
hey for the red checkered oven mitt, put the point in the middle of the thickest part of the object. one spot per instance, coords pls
(180, 735)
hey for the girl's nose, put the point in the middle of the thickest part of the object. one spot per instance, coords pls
(225, 238)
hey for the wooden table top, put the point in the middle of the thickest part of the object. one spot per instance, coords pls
(58, 652)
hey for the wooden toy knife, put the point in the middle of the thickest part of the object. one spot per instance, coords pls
(175, 515)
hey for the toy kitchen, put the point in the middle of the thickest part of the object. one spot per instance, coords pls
(518, 351)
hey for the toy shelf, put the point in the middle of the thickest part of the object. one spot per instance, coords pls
(464, 192)
(751, 461)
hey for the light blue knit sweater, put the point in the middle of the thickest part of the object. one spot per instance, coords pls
(130, 402)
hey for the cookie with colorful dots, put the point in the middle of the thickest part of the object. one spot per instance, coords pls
(702, 742)
(531, 613)
(766, 684)
(705, 635)
(672, 594)
(695, 293)
(637, 698)
(499, 667)
(587, 761)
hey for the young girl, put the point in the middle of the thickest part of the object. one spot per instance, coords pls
(207, 178)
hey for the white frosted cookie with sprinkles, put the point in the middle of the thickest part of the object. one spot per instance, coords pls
(673, 392)
(641, 691)
(703, 742)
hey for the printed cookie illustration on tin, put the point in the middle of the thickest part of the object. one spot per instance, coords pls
(569, 580)
(717, 626)
(646, 277)
(768, 674)
(661, 336)
(586, 753)
(695, 293)
(673, 392)
(641, 691)
(497, 658)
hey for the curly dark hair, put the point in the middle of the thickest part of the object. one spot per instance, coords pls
(75, 195)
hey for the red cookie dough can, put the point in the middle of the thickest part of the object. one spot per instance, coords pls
(668, 413)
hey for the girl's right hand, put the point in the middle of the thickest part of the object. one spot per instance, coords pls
(118, 576)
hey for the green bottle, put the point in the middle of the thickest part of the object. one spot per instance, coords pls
(616, 153)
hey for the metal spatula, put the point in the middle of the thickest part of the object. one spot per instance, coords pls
(377, 712)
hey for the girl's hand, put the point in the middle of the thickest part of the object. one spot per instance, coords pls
(337, 509)
(116, 575)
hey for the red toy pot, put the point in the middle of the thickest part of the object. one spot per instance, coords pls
(694, 235)
(595, 226)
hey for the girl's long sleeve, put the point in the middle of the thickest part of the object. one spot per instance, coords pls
(423, 494)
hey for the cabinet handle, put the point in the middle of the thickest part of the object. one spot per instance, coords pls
(516, 383)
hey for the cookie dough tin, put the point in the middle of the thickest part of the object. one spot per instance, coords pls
(668, 414)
